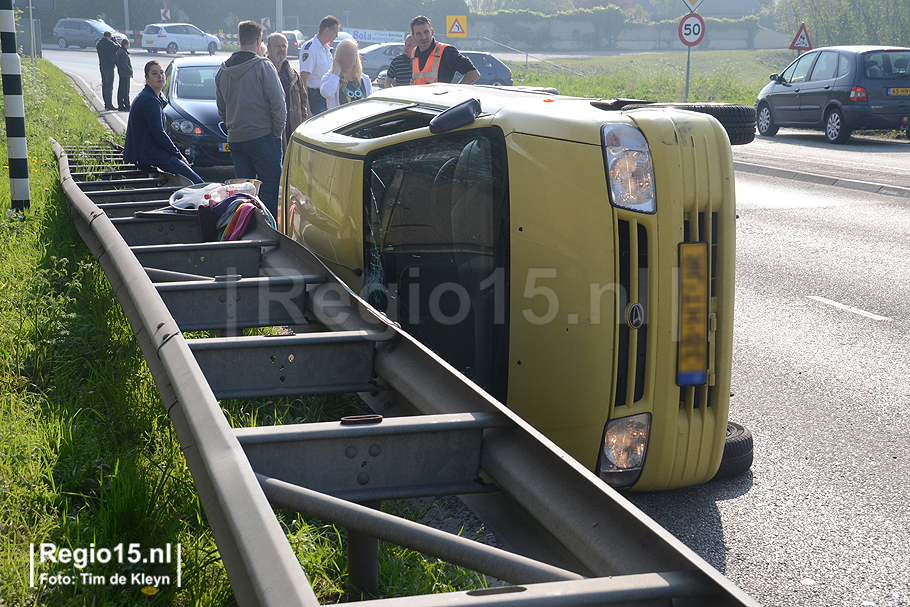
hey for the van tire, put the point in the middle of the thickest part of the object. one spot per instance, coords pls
(737, 458)
(61, 42)
(738, 120)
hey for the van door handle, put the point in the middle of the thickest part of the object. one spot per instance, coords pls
(827, 87)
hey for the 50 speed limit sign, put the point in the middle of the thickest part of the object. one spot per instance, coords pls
(691, 29)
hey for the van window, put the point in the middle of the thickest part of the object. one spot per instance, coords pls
(152, 29)
(799, 69)
(436, 247)
(886, 64)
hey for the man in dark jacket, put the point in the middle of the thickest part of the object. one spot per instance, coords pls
(251, 103)
(295, 95)
(107, 56)
(125, 73)
(147, 143)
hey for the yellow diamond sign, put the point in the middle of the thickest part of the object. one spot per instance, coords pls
(456, 26)
(692, 4)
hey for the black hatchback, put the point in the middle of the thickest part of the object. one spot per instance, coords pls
(839, 89)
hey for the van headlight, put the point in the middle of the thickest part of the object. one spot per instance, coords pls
(625, 445)
(630, 173)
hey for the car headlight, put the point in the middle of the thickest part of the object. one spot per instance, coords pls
(187, 127)
(630, 173)
(625, 445)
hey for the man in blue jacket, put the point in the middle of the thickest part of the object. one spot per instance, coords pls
(147, 143)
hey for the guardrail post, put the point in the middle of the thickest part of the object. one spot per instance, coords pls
(363, 560)
(14, 109)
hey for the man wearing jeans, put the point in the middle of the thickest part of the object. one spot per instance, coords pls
(251, 103)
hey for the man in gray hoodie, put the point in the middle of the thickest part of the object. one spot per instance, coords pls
(251, 103)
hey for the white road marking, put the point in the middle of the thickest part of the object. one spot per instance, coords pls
(848, 308)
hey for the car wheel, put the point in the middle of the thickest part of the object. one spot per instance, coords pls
(836, 130)
(738, 120)
(766, 125)
(192, 52)
(172, 48)
(497, 83)
(737, 457)
(212, 48)
(61, 42)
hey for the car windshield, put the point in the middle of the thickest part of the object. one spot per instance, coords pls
(196, 82)
(887, 64)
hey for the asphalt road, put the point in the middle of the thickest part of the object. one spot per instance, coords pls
(821, 375)
(823, 518)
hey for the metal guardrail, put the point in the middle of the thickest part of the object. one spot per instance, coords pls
(574, 540)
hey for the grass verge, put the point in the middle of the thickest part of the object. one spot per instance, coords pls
(88, 458)
(715, 76)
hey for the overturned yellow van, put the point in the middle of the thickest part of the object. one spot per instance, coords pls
(573, 257)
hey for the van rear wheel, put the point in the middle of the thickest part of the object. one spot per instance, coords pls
(737, 458)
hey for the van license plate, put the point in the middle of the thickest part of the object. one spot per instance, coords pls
(692, 366)
(223, 147)
(899, 91)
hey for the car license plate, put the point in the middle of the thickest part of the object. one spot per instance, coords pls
(899, 91)
(692, 365)
(223, 147)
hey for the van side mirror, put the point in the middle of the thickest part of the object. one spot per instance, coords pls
(456, 117)
(775, 78)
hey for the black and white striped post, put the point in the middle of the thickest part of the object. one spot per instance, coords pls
(14, 109)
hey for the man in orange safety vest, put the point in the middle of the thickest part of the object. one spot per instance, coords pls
(433, 61)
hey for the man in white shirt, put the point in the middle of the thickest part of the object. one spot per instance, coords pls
(316, 60)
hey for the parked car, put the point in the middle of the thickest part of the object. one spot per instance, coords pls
(83, 33)
(572, 257)
(192, 113)
(839, 89)
(341, 36)
(178, 37)
(377, 58)
(295, 41)
(492, 70)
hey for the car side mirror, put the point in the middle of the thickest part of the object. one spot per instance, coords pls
(777, 78)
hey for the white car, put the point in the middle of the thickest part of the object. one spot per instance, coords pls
(178, 37)
(377, 58)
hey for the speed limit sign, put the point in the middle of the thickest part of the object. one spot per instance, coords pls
(691, 29)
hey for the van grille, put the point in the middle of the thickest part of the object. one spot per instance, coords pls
(633, 283)
(704, 228)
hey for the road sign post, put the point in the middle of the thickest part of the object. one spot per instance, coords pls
(691, 32)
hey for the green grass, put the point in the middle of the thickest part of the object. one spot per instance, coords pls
(715, 76)
(87, 454)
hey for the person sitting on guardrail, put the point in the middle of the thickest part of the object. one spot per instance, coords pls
(147, 143)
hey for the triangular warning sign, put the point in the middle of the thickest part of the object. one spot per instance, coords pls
(801, 42)
(456, 28)
(692, 4)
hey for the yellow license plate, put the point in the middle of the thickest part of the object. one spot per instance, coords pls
(899, 91)
(223, 147)
(692, 366)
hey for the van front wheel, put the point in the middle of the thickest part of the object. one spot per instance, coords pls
(737, 458)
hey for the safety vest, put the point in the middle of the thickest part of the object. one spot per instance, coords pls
(430, 72)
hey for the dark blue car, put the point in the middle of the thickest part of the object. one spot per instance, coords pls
(839, 89)
(192, 113)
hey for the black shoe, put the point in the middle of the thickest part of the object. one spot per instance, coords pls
(123, 108)
(109, 108)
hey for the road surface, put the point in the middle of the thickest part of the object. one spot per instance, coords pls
(821, 375)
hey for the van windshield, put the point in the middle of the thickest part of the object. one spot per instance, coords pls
(436, 247)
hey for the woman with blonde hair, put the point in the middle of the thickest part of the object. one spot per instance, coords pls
(345, 82)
